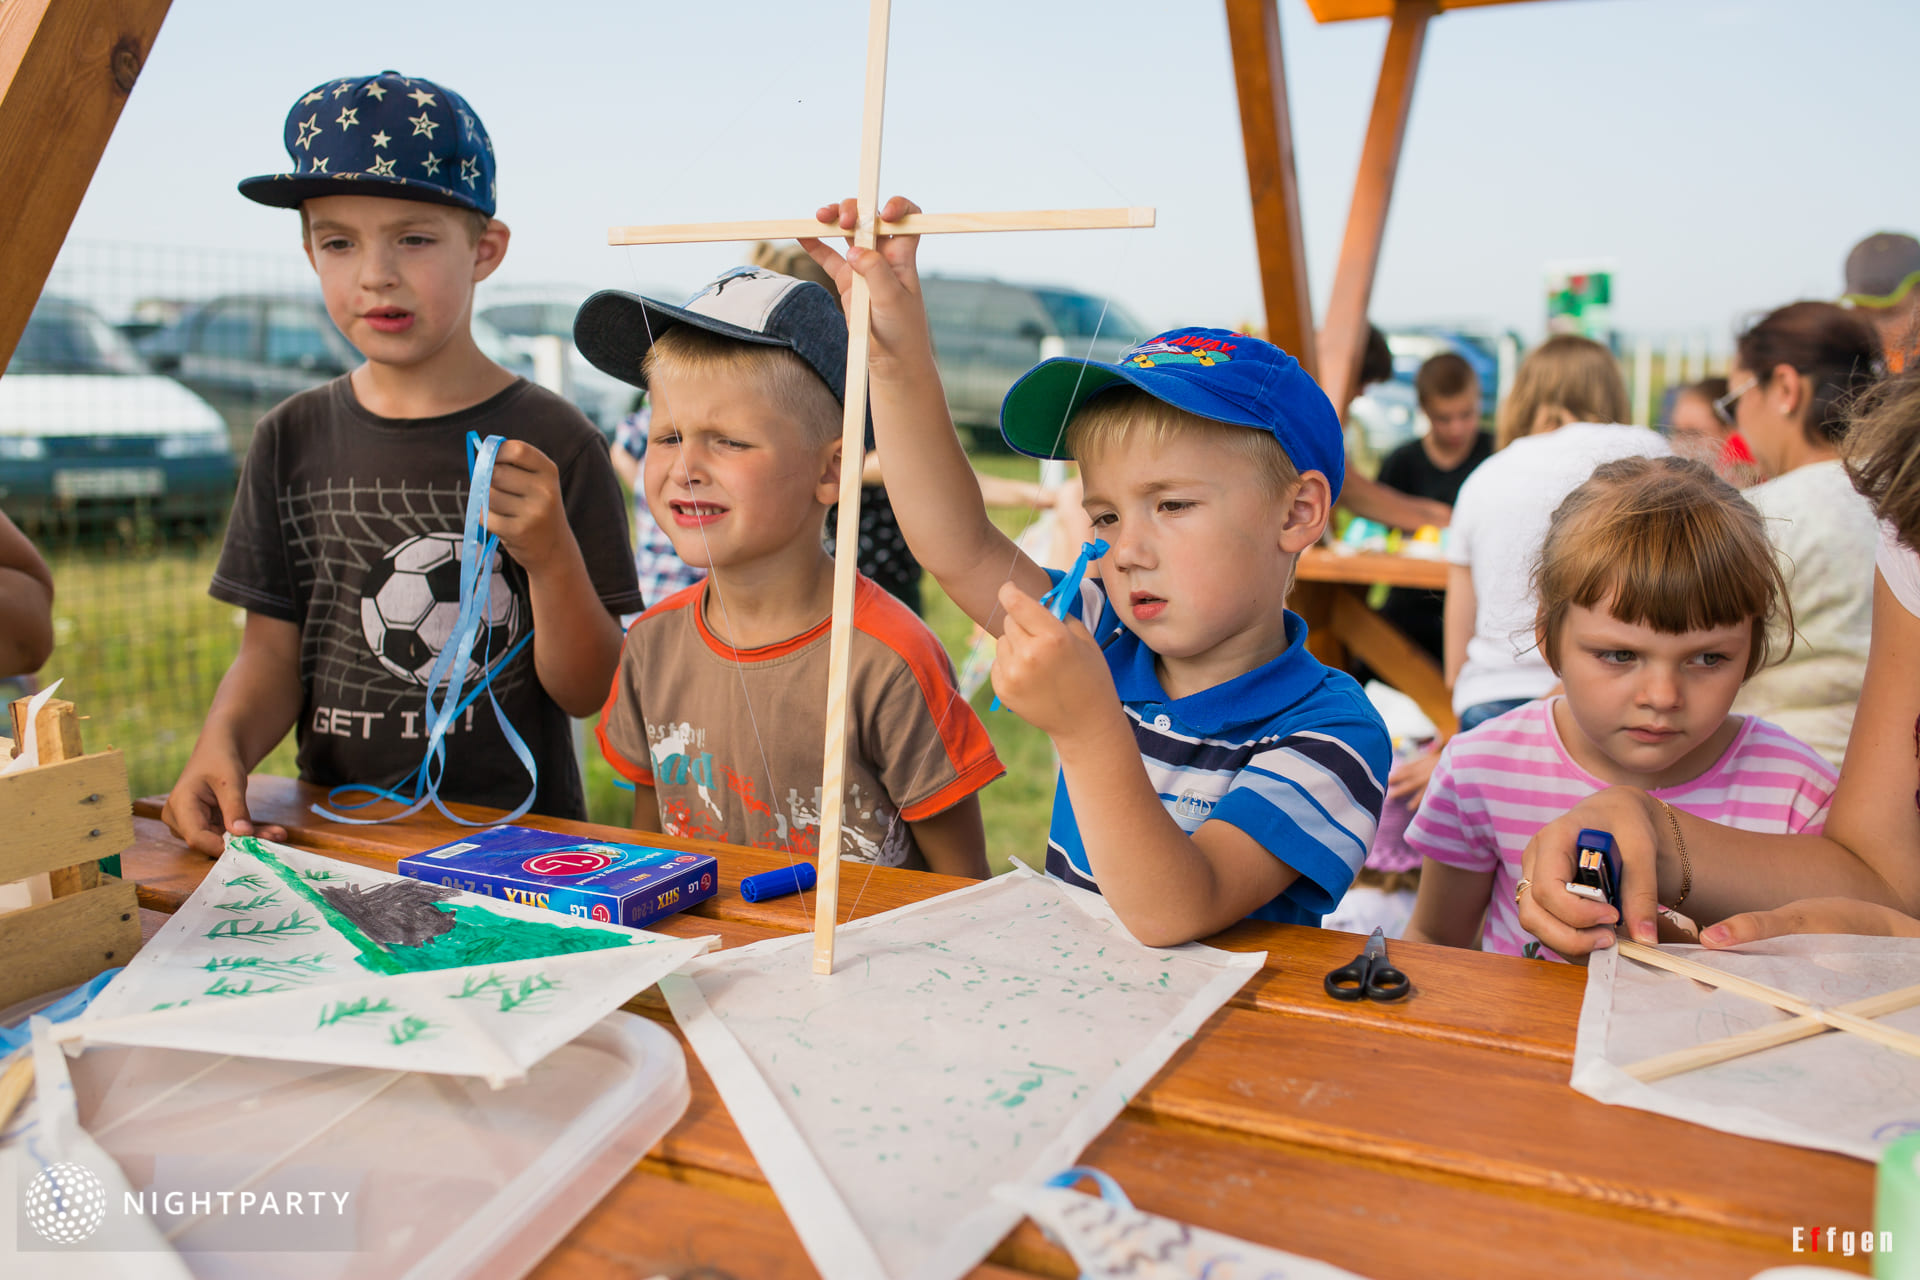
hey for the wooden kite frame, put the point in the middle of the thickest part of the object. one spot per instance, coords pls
(1811, 1020)
(853, 423)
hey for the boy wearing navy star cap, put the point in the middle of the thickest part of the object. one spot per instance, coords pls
(1210, 768)
(344, 534)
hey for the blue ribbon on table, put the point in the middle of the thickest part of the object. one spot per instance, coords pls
(447, 677)
(1059, 597)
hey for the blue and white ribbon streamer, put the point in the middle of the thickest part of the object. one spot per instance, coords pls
(447, 695)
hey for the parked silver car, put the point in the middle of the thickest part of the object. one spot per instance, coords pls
(986, 333)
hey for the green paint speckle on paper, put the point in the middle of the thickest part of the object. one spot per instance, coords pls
(795, 1088)
(289, 926)
(409, 1029)
(295, 967)
(222, 987)
(1163, 979)
(521, 994)
(319, 875)
(254, 903)
(341, 1010)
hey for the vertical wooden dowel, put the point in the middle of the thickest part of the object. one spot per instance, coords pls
(853, 430)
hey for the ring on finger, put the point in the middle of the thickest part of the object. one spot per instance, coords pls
(1520, 889)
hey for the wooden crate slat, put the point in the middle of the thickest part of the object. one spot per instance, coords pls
(67, 941)
(62, 815)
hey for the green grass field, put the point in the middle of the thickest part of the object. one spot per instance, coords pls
(142, 647)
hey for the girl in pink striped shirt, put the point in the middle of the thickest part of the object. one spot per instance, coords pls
(1656, 585)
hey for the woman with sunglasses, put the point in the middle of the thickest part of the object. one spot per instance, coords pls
(1792, 378)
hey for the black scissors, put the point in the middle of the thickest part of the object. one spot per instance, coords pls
(1369, 977)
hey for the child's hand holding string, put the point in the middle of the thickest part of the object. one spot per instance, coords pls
(1049, 672)
(524, 507)
(576, 646)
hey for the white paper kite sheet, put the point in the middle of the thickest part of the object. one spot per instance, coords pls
(1834, 1091)
(285, 954)
(981, 1037)
(1118, 1242)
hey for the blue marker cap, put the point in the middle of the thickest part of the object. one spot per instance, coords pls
(778, 884)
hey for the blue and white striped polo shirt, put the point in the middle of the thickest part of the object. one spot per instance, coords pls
(1291, 753)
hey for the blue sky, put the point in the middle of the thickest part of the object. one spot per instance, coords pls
(1724, 154)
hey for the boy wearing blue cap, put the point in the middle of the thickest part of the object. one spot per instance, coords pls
(344, 541)
(1210, 768)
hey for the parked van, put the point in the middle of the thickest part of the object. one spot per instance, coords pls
(986, 333)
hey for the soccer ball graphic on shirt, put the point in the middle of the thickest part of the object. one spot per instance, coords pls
(411, 600)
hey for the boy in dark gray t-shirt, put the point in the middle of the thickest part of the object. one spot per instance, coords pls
(345, 538)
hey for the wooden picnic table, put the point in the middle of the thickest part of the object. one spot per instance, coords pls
(1433, 1138)
(1330, 592)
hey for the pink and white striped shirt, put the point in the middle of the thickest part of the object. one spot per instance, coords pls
(1499, 783)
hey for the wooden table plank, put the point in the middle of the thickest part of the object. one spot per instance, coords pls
(656, 1222)
(1256, 1191)
(1435, 1106)
(1364, 568)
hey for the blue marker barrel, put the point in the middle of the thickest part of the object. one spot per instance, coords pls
(778, 884)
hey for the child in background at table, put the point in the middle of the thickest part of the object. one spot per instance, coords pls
(1211, 769)
(1656, 586)
(1566, 415)
(1435, 466)
(353, 496)
(718, 712)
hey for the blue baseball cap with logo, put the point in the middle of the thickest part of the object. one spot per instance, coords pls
(1212, 373)
(385, 135)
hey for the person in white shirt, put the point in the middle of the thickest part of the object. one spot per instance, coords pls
(1792, 378)
(1565, 416)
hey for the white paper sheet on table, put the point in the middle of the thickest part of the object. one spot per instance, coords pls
(274, 957)
(1109, 1241)
(984, 1036)
(1834, 1091)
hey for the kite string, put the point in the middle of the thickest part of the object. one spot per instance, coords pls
(479, 549)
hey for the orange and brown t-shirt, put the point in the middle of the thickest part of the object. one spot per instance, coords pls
(731, 740)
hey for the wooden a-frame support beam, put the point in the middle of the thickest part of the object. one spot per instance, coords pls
(1266, 130)
(1344, 339)
(66, 68)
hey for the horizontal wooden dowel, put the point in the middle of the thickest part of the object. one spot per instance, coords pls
(1767, 1037)
(918, 224)
(1840, 1019)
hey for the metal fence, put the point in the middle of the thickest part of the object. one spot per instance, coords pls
(124, 477)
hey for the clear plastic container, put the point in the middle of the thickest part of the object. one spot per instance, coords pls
(447, 1178)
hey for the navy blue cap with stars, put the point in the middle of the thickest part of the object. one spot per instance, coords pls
(385, 135)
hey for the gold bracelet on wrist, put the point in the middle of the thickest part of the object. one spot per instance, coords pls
(1686, 863)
